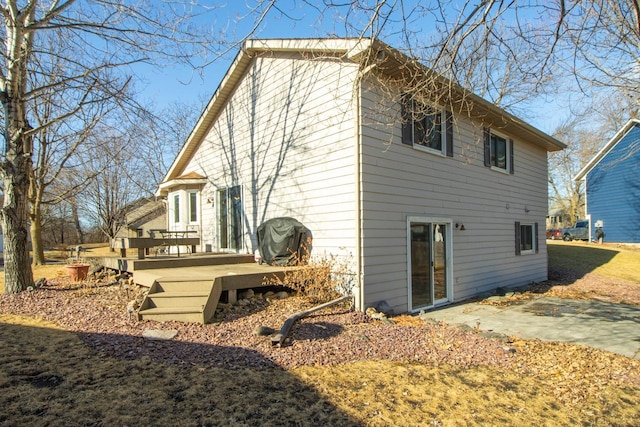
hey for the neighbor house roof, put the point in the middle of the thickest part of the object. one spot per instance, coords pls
(357, 50)
(607, 147)
(142, 215)
(141, 211)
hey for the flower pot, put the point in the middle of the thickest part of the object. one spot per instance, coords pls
(77, 272)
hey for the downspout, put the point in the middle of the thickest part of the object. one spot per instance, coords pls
(357, 89)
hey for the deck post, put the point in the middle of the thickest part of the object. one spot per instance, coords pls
(232, 296)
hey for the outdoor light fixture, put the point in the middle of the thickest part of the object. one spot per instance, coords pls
(460, 226)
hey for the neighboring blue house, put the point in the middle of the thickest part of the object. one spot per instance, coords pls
(612, 185)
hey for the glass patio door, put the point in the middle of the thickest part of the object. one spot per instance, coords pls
(230, 218)
(429, 282)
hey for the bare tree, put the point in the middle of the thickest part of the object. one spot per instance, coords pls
(62, 129)
(161, 135)
(113, 179)
(515, 53)
(508, 52)
(97, 38)
(565, 193)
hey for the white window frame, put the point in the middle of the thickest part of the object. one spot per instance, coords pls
(507, 151)
(448, 255)
(176, 208)
(533, 238)
(443, 132)
(191, 209)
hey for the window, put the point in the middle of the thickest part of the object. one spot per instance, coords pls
(230, 218)
(176, 208)
(427, 127)
(498, 152)
(526, 238)
(193, 206)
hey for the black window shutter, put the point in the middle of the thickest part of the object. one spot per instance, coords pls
(517, 237)
(535, 242)
(486, 135)
(449, 138)
(407, 121)
(511, 167)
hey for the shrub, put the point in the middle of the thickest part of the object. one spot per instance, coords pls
(318, 279)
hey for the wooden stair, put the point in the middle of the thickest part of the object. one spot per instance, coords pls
(182, 300)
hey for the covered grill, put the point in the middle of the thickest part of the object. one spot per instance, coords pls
(284, 241)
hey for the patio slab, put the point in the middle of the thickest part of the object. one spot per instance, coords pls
(603, 325)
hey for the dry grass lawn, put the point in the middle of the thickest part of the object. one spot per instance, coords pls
(49, 377)
(607, 260)
(57, 270)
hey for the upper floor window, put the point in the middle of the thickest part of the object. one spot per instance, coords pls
(426, 127)
(498, 151)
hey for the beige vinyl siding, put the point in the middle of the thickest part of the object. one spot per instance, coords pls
(399, 181)
(289, 130)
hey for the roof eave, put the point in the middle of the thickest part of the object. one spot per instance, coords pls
(164, 187)
(467, 102)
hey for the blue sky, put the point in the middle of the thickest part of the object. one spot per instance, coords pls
(174, 83)
(183, 84)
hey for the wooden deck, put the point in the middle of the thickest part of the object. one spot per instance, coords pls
(186, 275)
(197, 267)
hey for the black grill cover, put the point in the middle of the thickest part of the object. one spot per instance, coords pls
(283, 241)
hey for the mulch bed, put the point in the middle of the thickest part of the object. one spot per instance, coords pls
(98, 313)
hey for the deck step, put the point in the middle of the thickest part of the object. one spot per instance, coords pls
(181, 294)
(183, 286)
(177, 299)
(182, 301)
(180, 314)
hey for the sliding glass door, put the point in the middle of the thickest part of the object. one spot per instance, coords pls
(428, 263)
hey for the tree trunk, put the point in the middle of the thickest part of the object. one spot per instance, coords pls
(17, 265)
(76, 221)
(15, 170)
(37, 248)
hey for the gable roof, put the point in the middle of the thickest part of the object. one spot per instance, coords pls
(356, 49)
(607, 148)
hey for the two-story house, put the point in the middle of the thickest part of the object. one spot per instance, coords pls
(434, 193)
